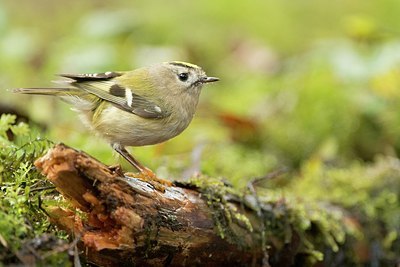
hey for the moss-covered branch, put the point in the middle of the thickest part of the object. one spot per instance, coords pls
(124, 220)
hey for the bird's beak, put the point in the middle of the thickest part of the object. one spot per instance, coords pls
(209, 79)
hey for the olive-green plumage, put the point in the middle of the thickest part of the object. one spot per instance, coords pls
(141, 107)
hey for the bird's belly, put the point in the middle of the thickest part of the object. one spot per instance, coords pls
(129, 129)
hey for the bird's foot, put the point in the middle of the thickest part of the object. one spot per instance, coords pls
(116, 169)
(150, 177)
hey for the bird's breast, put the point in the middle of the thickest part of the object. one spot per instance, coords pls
(128, 129)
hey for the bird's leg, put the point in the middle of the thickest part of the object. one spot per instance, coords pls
(144, 173)
(125, 154)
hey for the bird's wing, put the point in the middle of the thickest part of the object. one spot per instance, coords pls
(92, 76)
(105, 87)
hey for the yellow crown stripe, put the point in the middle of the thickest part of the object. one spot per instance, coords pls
(184, 64)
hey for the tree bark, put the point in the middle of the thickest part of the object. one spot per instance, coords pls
(123, 220)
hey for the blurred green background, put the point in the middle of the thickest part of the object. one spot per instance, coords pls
(301, 81)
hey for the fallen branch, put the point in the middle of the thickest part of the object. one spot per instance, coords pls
(124, 220)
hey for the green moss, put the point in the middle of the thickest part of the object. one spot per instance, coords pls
(229, 221)
(22, 190)
(282, 220)
(317, 220)
(366, 197)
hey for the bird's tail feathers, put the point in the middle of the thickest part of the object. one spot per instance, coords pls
(80, 99)
(46, 91)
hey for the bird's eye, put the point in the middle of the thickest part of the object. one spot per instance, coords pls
(183, 76)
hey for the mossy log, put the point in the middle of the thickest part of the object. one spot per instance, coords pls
(126, 221)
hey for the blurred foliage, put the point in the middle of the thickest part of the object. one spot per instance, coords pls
(303, 83)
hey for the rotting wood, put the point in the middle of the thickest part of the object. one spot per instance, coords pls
(129, 222)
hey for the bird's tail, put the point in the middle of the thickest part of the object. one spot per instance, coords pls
(80, 99)
(47, 91)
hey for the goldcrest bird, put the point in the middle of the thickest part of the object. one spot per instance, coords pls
(142, 107)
